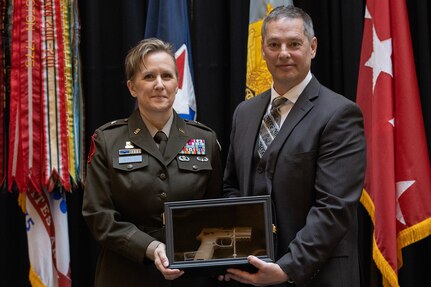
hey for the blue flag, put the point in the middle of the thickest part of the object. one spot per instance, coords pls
(168, 21)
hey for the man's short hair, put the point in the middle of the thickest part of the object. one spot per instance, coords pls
(289, 12)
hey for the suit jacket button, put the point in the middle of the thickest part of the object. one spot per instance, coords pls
(163, 195)
(259, 169)
(162, 176)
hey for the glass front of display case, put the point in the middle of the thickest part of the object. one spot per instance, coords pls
(218, 233)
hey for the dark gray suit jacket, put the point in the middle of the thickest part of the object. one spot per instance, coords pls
(314, 171)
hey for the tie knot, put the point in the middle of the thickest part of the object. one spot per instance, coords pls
(278, 102)
(160, 136)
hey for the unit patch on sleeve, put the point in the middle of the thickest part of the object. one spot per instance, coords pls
(92, 148)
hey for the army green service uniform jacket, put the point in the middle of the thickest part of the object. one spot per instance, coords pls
(128, 182)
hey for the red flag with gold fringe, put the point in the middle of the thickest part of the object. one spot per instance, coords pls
(397, 191)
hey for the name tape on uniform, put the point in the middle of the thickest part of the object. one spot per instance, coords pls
(130, 159)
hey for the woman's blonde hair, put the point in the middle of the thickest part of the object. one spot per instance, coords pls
(136, 55)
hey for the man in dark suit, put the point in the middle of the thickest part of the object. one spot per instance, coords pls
(309, 156)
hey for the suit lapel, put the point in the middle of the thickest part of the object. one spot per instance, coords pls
(299, 110)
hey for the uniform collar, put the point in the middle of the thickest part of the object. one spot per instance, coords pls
(140, 135)
(166, 128)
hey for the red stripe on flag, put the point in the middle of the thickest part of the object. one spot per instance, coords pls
(398, 179)
(181, 61)
(34, 13)
(25, 96)
(16, 159)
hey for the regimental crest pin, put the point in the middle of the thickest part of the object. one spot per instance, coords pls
(183, 158)
(202, 158)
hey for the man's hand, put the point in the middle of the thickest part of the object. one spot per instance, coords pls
(162, 263)
(267, 274)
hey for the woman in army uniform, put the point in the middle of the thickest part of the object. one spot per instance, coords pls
(132, 171)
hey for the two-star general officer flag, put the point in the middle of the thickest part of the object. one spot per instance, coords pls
(168, 21)
(397, 192)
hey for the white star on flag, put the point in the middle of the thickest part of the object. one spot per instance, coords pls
(380, 60)
(401, 187)
(398, 175)
(367, 13)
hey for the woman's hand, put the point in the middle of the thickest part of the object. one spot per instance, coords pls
(162, 263)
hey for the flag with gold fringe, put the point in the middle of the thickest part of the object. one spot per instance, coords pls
(397, 191)
(45, 129)
(48, 238)
(258, 78)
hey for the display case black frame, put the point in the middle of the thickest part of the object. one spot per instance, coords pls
(186, 219)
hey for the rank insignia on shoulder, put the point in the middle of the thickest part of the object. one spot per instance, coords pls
(194, 146)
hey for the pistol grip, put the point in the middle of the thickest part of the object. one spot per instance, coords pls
(205, 251)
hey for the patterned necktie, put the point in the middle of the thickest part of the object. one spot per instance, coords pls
(270, 125)
(161, 138)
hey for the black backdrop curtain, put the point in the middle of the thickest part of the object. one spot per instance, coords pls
(219, 45)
